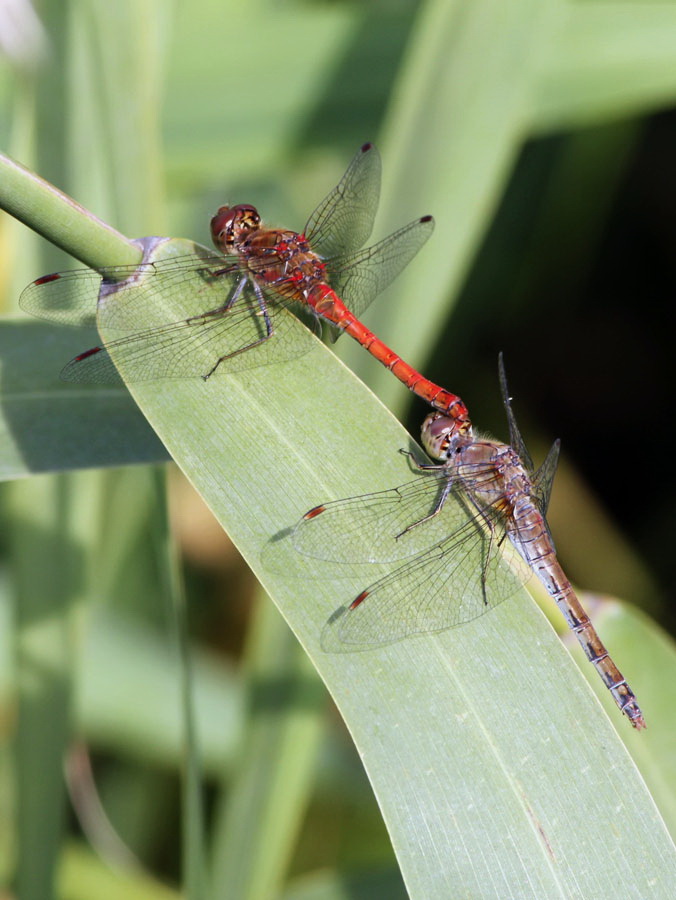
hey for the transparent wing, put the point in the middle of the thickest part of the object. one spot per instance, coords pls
(175, 318)
(68, 298)
(455, 581)
(197, 282)
(207, 345)
(359, 278)
(515, 438)
(369, 528)
(376, 528)
(543, 479)
(343, 221)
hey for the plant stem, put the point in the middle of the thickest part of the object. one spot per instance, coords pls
(59, 219)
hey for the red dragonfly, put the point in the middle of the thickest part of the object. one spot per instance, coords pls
(222, 304)
(462, 574)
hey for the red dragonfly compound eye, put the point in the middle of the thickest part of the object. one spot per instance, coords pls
(232, 224)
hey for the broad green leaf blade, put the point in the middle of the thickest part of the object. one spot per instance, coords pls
(643, 648)
(47, 425)
(496, 770)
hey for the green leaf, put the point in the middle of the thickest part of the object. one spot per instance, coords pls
(47, 425)
(495, 769)
(646, 650)
(61, 220)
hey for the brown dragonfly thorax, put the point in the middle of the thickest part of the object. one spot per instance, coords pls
(492, 471)
(494, 474)
(274, 256)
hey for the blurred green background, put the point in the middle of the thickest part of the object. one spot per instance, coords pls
(542, 138)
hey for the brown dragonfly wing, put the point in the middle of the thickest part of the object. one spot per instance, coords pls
(456, 580)
(370, 528)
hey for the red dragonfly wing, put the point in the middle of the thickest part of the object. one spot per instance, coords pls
(171, 318)
(68, 298)
(206, 346)
(359, 278)
(198, 281)
(343, 221)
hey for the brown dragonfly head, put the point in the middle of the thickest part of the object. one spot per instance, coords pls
(233, 224)
(441, 435)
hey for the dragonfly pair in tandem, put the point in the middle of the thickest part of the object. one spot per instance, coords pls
(216, 306)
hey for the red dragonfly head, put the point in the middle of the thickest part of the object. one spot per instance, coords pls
(233, 224)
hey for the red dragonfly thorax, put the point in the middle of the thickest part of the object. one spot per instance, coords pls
(274, 256)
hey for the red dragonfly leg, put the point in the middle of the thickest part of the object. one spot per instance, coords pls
(263, 312)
